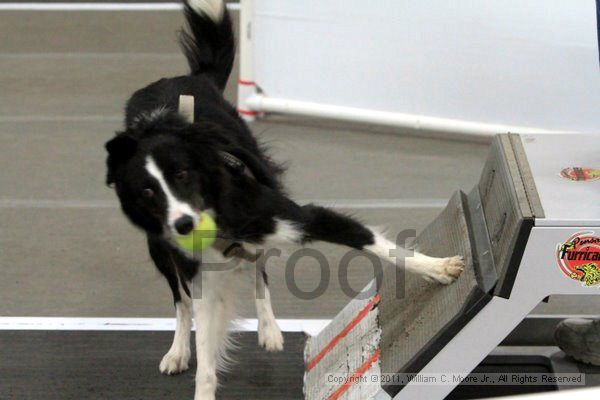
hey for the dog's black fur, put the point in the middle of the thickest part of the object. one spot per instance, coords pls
(245, 207)
(166, 171)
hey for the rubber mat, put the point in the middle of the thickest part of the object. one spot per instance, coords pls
(65, 365)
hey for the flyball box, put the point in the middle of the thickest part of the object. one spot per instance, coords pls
(400, 323)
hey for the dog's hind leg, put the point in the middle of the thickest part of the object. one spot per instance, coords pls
(213, 305)
(312, 223)
(269, 334)
(177, 358)
(206, 344)
(327, 225)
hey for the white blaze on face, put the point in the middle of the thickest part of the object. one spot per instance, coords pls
(175, 207)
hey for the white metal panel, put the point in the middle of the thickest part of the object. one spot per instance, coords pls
(513, 62)
(539, 275)
(565, 202)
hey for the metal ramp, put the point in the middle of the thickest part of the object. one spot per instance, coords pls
(402, 325)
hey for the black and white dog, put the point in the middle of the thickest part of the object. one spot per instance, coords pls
(166, 171)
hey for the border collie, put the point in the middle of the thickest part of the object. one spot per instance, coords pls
(167, 170)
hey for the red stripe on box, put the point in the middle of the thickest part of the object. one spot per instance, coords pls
(354, 378)
(361, 315)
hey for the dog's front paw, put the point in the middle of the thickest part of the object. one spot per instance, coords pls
(446, 270)
(269, 336)
(175, 361)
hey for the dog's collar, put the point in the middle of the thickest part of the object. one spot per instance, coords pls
(236, 165)
(231, 249)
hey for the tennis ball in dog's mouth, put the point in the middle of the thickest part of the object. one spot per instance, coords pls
(201, 237)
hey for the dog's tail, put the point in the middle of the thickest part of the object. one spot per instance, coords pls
(208, 44)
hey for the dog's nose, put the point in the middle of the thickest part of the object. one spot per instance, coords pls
(184, 225)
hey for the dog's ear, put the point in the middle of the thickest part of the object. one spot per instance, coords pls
(120, 149)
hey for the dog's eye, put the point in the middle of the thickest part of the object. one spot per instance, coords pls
(148, 193)
(181, 175)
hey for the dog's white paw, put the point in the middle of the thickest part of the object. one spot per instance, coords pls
(269, 336)
(446, 270)
(175, 361)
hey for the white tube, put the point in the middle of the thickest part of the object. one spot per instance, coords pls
(262, 103)
(246, 84)
(91, 6)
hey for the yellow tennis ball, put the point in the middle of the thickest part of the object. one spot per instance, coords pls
(201, 237)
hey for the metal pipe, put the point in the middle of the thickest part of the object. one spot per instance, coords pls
(261, 103)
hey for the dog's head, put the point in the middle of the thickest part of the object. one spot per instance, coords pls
(165, 174)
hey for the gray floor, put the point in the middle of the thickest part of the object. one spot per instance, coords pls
(65, 249)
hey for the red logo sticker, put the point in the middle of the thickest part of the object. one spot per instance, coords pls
(580, 174)
(579, 258)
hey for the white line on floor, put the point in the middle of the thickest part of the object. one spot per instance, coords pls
(167, 6)
(336, 204)
(309, 326)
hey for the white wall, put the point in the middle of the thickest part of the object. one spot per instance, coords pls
(514, 62)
